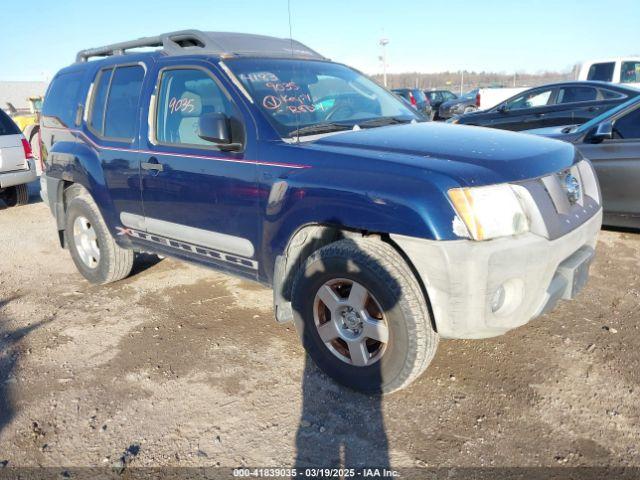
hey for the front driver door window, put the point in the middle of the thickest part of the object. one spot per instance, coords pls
(522, 112)
(530, 100)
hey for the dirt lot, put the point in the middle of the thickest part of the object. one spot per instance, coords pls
(178, 365)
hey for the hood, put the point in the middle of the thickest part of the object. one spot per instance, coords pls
(457, 101)
(470, 155)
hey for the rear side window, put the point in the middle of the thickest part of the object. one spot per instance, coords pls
(121, 116)
(61, 100)
(577, 94)
(185, 96)
(115, 107)
(601, 71)
(7, 126)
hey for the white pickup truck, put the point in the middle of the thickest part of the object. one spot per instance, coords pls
(490, 97)
(624, 70)
(17, 165)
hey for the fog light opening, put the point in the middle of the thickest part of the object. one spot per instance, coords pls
(507, 297)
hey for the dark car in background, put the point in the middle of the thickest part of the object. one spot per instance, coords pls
(416, 98)
(437, 98)
(612, 142)
(565, 103)
(469, 102)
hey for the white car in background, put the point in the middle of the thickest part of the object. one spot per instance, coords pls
(17, 165)
(624, 70)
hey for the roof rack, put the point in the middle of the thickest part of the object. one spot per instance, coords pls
(188, 42)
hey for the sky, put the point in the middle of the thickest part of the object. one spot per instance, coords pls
(424, 36)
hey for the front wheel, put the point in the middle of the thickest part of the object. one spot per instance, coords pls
(94, 251)
(362, 315)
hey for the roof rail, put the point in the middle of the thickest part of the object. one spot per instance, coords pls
(185, 42)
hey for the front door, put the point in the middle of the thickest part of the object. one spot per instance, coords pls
(617, 163)
(199, 198)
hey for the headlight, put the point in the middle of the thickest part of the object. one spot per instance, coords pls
(489, 212)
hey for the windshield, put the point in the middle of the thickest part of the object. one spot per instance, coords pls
(608, 114)
(297, 96)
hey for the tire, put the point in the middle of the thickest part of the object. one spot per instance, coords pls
(17, 196)
(35, 148)
(391, 287)
(107, 262)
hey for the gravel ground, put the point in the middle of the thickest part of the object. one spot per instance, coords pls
(181, 366)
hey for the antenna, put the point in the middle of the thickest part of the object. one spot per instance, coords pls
(294, 66)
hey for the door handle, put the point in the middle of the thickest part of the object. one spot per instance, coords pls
(540, 115)
(152, 164)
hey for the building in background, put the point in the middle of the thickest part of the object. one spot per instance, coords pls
(18, 93)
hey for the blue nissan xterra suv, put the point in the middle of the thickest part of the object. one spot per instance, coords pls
(379, 232)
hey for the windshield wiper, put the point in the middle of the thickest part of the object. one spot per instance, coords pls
(319, 128)
(382, 121)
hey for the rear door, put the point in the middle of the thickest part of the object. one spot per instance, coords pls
(617, 163)
(577, 105)
(200, 199)
(12, 155)
(111, 128)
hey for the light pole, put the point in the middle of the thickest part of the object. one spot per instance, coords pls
(383, 43)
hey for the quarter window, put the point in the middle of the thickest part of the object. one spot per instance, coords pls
(121, 116)
(62, 98)
(185, 96)
(610, 94)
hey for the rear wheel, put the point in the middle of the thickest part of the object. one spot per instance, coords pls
(362, 316)
(94, 251)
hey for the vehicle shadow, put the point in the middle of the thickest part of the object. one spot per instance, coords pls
(144, 261)
(10, 342)
(339, 427)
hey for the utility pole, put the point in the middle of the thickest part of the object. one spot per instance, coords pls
(461, 82)
(383, 43)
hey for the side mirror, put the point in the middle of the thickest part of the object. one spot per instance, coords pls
(502, 108)
(215, 128)
(603, 131)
